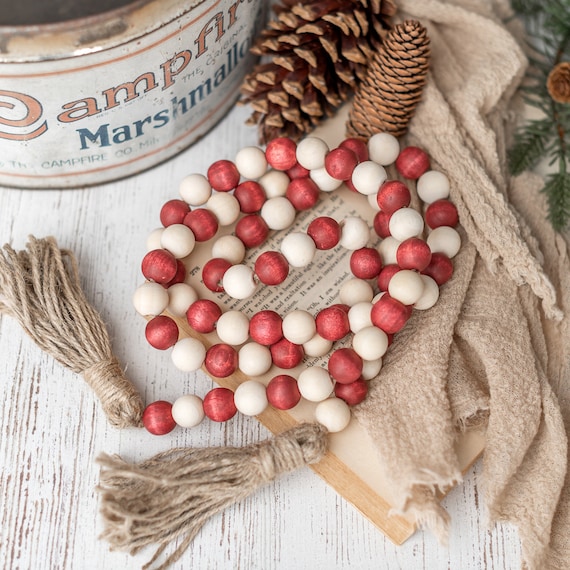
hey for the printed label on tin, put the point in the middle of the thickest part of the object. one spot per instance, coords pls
(101, 116)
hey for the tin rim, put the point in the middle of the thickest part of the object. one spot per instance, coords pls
(87, 34)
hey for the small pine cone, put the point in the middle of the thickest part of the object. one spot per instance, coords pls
(387, 99)
(319, 51)
(558, 82)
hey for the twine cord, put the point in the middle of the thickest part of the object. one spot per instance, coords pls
(40, 288)
(174, 493)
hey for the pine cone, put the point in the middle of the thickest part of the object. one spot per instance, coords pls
(558, 82)
(319, 51)
(387, 99)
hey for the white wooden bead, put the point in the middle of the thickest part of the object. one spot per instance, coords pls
(387, 249)
(188, 354)
(150, 299)
(317, 346)
(315, 384)
(324, 180)
(230, 248)
(406, 286)
(444, 240)
(195, 189)
(368, 176)
(371, 368)
(383, 148)
(333, 413)
(370, 343)
(225, 207)
(432, 185)
(180, 297)
(299, 326)
(298, 248)
(233, 327)
(254, 359)
(311, 153)
(278, 213)
(153, 239)
(359, 316)
(250, 398)
(355, 291)
(378, 296)
(238, 282)
(275, 183)
(250, 162)
(188, 411)
(355, 233)
(178, 239)
(405, 223)
(373, 202)
(429, 296)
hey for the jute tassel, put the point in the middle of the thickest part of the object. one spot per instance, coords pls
(174, 493)
(40, 288)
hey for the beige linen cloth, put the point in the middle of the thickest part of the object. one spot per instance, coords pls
(495, 350)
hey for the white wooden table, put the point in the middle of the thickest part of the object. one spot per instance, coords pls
(52, 429)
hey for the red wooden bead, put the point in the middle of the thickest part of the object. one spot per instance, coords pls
(271, 268)
(219, 405)
(180, 276)
(223, 175)
(351, 186)
(281, 153)
(159, 265)
(332, 323)
(283, 392)
(382, 224)
(251, 196)
(358, 146)
(340, 163)
(161, 332)
(298, 171)
(325, 232)
(412, 162)
(252, 230)
(441, 213)
(345, 366)
(303, 193)
(365, 263)
(440, 268)
(286, 354)
(388, 271)
(392, 196)
(202, 315)
(352, 393)
(221, 360)
(203, 224)
(413, 253)
(266, 327)
(389, 314)
(212, 273)
(173, 212)
(157, 418)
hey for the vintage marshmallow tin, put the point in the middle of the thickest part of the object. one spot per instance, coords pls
(101, 97)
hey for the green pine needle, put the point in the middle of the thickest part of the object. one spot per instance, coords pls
(557, 190)
(548, 28)
(529, 146)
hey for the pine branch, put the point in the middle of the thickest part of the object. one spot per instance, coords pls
(557, 190)
(548, 27)
(530, 145)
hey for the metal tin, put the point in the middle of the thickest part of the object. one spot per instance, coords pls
(93, 99)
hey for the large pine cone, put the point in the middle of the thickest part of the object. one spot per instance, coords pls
(319, 52)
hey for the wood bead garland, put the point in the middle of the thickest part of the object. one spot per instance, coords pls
(285, 179)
